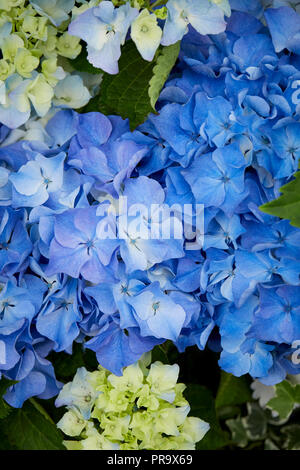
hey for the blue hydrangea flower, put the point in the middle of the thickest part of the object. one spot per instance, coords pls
(222, 231)
(277, 318)
(157, 314)
(104, 29)
(40, 381)
(138, 249)
(218, 179)
(205, 17)
(34, 181)
(254, 358)
(284, 25)
(56, 10)
(226, 136)
(15, 243)
(262, 267)
(180, 126)
(252, 7)
(59, 318)
(77, 248)
(116, 348)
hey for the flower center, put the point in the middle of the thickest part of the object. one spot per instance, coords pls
(47, 181)
(89, 245)
(124, 290)
(184, 16)
(225, 179)
(65, 304)
(287, 308)
(265, 140)
(273, 270)
(87, 398)
(110, 28)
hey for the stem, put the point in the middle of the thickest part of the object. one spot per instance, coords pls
(41, 409)
(158, 3)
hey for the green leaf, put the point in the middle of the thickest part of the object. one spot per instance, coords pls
(270, 445)
(287, 206)
(287, 396)
(133, 92)
(227, 412)
(232, 391)
(252, 427)
(203, 406)
(41, 409)
(292, 433)
(83, 65)
(238, 432)
(126, 94)
(4, 442)
(256, 423)
(28, 429)
(164, 64)
(5, 409)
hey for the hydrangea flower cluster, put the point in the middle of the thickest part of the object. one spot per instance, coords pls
(34, 73)
(143, 409)
(226, 137)
(104, 27)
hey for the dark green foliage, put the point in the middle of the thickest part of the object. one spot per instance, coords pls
(28, 429)
(287, 206)
(133, 92)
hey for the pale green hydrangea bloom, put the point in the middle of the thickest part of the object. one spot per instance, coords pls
(72, 422)
(146, 34)
(35, 43)
(17, 95)
(7, 5)
(25, 62)
(68, 46)
(71, 93)
(6, 69)
(143, 409)
(10, 47)
(52, 72)
(40, 94)
(35, 26)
